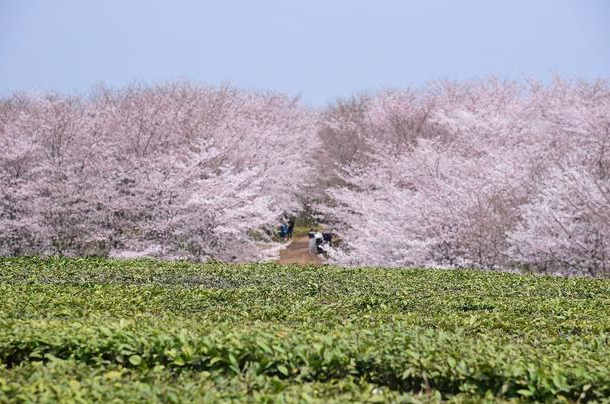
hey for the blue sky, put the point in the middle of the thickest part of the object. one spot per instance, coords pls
(320, 49)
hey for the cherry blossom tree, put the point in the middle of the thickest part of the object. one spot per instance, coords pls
(176, 171)
(480, 174)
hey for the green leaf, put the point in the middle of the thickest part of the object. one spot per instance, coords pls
(283, 370)
(135, 360)
(215, 360)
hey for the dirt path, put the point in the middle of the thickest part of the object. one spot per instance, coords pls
(298, 253)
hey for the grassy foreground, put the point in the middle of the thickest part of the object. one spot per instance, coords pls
(93, 330)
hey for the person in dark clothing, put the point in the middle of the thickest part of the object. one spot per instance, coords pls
(283, 231)
(290, 228)
(328, 238)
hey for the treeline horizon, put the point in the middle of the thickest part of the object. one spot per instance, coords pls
(94, 90)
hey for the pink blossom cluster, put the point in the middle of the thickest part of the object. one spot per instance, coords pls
(487, 174)
(174, 171)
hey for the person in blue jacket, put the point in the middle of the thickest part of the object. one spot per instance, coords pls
(283, 231)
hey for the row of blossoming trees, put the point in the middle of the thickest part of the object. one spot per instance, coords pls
(479, 174)
(175, 171)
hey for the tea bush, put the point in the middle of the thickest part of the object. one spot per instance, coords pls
(87, 330)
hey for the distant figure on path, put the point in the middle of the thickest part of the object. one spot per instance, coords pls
(283, 231)
(312, 241)
(290, 227)
(328, 238)
(319, 240)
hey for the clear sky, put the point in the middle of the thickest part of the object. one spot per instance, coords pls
(320, 49)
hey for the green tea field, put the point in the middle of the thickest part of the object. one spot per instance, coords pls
(143, 331)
